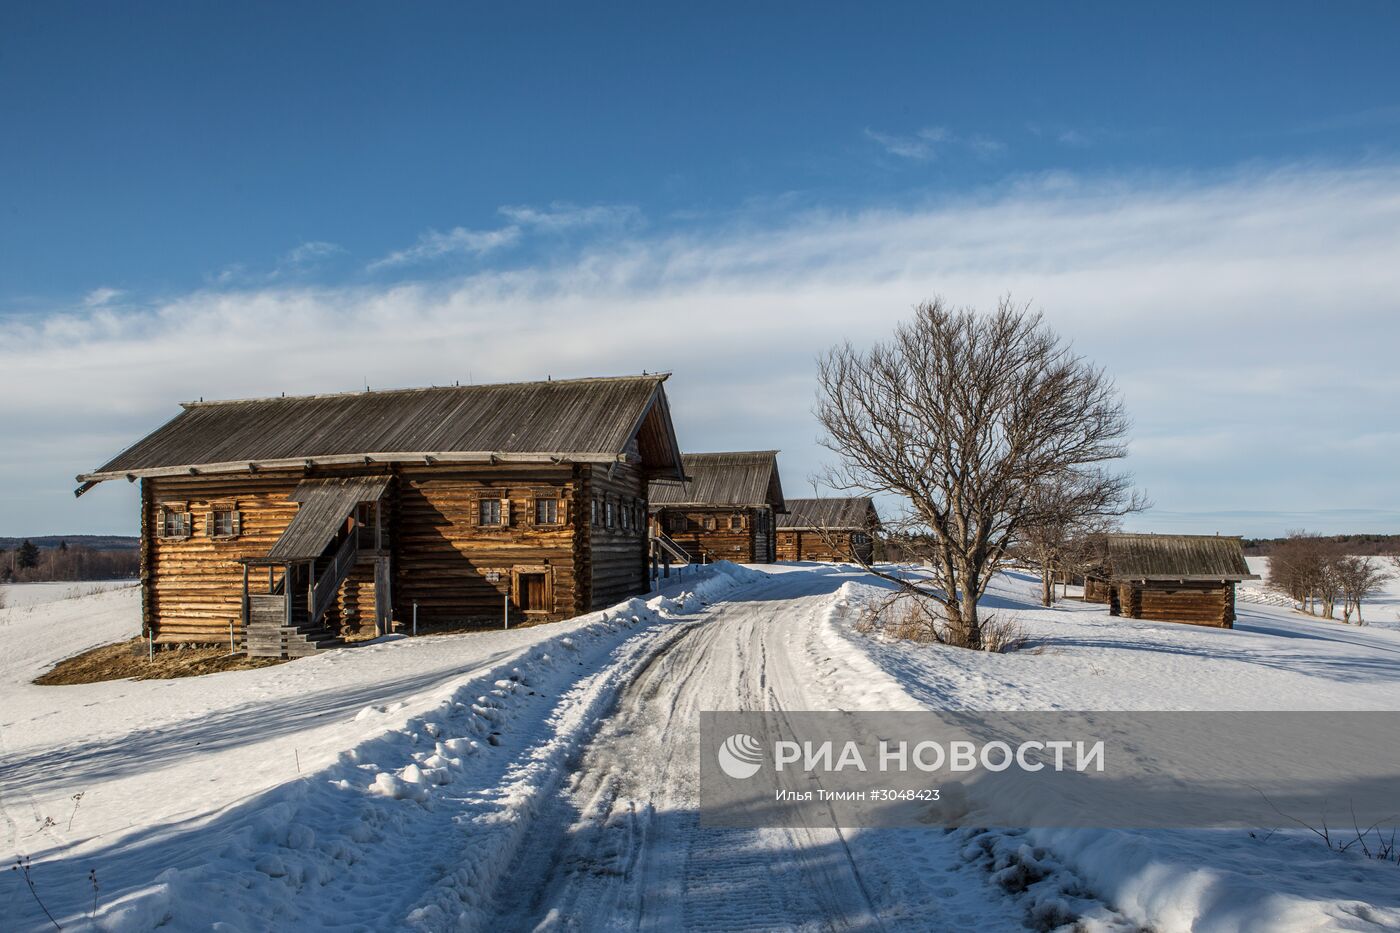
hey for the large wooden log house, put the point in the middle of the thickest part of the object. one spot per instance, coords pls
(291, 520)
(726, 509)
(835, 529)
(1176, 578)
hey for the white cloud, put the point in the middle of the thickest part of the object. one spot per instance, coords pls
(311, 251)
(932, 141)
(1250, 320)
(457, 241)
(100, 297)
(558, 217)
(922, 146)
(564, 216)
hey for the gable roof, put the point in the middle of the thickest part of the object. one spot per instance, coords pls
(738, 478)
(570, 420)
(849, 513)
(1177, 557)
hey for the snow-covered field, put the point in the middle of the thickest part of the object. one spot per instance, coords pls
(545, 778)
(1381, 611)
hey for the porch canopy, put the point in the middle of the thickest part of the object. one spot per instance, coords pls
(325, 504)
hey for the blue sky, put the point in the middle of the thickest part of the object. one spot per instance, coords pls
(1205, 199)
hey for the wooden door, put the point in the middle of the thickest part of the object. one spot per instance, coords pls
(533, 592)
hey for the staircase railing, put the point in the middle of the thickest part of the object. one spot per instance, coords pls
(328, 584)
(679, 555)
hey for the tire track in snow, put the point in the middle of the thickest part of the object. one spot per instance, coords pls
(622, 848)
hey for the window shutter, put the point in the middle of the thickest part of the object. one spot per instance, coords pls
(209, 528)
(237, 523)
(474, 513)
(505, 510)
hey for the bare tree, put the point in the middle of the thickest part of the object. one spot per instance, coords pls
(1064, 510)
(1296, 567)
(965, 416)
(1359, 578)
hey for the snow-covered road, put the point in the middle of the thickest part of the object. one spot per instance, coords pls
(622, 847)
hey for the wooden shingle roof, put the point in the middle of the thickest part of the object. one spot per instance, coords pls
(1140, 557)
(736, 479)
(577, 420)
(853, 513)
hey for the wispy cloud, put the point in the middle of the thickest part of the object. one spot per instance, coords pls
(564, 216)
(310, 252)
(1238, 314)
(931, 142)
(460, 241)
(101, 297)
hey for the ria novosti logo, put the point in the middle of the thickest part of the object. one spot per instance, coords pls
(740, 756)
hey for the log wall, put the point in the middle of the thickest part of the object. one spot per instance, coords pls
(194, 586)
(723, 542)
(439, 553)
(801, 544)
(1096, 591)
(1190, 603)
(443, 555)
(615, 559)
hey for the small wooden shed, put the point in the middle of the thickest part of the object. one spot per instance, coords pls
(1176, 578)
(285, 522)
(726, 509)
(835, 529)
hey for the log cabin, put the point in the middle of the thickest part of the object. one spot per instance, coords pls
(725, 509)
(290, 522)
(1176, 578)
(838, 529)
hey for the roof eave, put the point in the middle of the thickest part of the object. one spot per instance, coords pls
(359, 459)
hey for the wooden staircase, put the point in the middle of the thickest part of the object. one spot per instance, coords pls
(293, 623)
(270, 636)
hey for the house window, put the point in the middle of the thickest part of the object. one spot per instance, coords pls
(624, 517)
(611, 516)
(709, 524)
(736, 523)
(678, 522)
(489, 512)
(223, 523)
(546, 511)
(593, 512)
(174, 523)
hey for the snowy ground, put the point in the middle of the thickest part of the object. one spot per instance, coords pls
(545, 778)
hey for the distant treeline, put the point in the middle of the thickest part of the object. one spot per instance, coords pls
(95, 542)
(26, 561)
(1356, 545)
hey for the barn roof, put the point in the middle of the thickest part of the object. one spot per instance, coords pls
(850, 513)
(569, 420)
(1177, 557)
(738, 478)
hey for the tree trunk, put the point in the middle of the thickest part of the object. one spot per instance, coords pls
(1047, 587)
(972, 626)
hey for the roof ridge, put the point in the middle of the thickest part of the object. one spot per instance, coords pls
(641, 377)
(731, 453)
